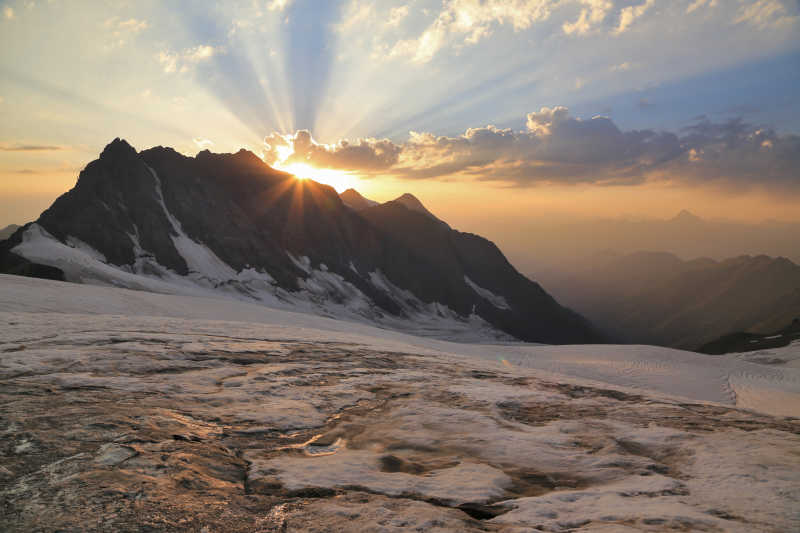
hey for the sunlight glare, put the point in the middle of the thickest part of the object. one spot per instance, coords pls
(338, 179)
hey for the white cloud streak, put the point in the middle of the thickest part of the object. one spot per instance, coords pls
(172, 62)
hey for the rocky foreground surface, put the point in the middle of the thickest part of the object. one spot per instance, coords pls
(131, 423)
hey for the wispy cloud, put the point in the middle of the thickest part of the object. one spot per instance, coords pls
(18, 147)
(279, 5)
(202, 143)
(767, 13)
(397, 15)
(622, 67)
(470, 21)
(590, 16)
(122, 31)
(629, 14)
(697, 4)
(172, 62)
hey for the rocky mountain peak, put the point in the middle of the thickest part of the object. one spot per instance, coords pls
(355, 200)
(118, 148)
(411, 202)
(229, 223)
(686, 216)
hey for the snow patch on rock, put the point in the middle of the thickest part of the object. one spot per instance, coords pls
(494, 299)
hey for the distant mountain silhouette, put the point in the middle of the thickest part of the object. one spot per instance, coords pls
(9, 230)
(686, 217)
(412, 202)
(228, 222)
(548, 244)
(353, 199)
(657, 298)
(746, 341)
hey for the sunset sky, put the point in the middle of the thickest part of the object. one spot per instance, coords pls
(485, 109)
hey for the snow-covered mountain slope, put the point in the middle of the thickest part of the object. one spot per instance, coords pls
(174, 413)
(321, 292)
(728, 380)
(228, 223)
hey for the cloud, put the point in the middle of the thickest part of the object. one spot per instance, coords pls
(357, 12)
(739, 153)
(6, 147)
(8, 12)
(764, 14)
(630, 13)
(366, 155)
(590, 16)
(461, 23)
(121, 31)
(469, 21)
(622, 67)
(279, 5)
(397, 15)
(172, 62)
(556, 147)
(202, 143)
(697, 4)
(130, 25)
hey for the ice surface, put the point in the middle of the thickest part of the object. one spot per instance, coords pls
(674, 373)
(465, 482)
(785, 355)
(161, 411)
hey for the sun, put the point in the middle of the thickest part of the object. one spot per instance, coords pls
(338, 179)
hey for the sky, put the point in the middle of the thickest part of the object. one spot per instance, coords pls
(487, 110)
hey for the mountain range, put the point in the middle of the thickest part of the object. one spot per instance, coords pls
(542, 242)
(658, 298)
(161, 221)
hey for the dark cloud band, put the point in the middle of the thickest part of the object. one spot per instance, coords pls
(558, 148)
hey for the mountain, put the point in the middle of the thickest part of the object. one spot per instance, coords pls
(686, 217)
(409, 201)
(228, 223)
(745, 341)
(353, 199)
(657, 298)
(542, 242)
(9, 230)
